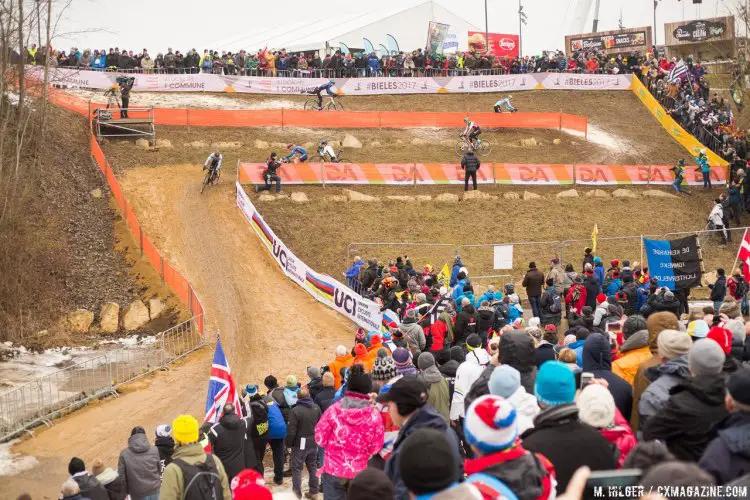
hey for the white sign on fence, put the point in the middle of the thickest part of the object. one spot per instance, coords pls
(503, 257)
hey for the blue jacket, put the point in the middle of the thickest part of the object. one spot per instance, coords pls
(612, 287)
(302, 154)
(469, 296)
(353, 273)
(100, 62)
(489, 297)
(641, 300)
(327, 87)
(374, 64)
(515, 311)
(577, 346)
(599, 272)
(454, 272)
(458, 290)
(703, 163)
(276, 424)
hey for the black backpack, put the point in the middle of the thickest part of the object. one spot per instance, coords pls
(200, 481)
(480, 387)
(502, 311)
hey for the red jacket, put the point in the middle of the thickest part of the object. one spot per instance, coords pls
(621, 435)
(577, 305)
(438, 331)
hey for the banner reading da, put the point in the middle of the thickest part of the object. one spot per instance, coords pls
(674, 263)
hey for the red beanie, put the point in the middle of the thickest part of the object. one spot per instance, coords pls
(615, 263)
(721, 336)
(376, 339)
(601, 298)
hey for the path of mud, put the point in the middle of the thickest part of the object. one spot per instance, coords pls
(267, 324)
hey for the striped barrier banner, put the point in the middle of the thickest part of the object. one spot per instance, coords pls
(418, 174)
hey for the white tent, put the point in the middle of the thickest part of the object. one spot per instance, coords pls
(407, 25)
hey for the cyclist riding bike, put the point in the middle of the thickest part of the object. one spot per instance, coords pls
(471, 132)
(214, 163)
(327, 87)
(295, 150)
(505, 103)
(326, 151)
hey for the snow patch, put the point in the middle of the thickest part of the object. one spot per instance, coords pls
(14, 463)
(600, 137)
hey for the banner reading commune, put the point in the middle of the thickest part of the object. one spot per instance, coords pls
(674, 263)
(325, 289)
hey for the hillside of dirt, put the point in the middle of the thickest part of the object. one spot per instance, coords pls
(620, 128)
(57, 244)
(329, 247)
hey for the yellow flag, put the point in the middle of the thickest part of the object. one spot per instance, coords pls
(594, 234)
(445, 275)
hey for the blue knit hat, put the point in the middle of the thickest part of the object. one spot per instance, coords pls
(555, 384)
(251, 389)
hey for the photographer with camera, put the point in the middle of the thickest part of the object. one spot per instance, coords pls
(126, 84)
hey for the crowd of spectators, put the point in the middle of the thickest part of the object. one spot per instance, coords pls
(466, 399)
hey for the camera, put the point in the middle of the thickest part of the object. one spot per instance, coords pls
(125, 80)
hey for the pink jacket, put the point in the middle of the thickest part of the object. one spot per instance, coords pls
(351, 431)
(621, 435)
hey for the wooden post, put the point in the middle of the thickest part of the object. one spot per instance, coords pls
(140, 238)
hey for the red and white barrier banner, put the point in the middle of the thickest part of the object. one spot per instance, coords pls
(662, 175)
(325, 289)
(204, 82)
(580, 81)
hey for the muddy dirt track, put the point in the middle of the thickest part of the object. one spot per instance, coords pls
(267, 324)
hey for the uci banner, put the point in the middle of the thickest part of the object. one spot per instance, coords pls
(325, 289)
(676, 264)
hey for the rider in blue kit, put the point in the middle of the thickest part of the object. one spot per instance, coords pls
(296, 150)
(327, 87)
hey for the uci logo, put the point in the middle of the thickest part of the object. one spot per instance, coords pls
(280, 254)
(344, 301)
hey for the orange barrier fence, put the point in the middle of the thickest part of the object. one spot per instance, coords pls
(176, 282)
(490, 173)
(338, 119)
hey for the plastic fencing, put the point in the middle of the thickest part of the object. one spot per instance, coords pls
(180, 286)
(56, 394)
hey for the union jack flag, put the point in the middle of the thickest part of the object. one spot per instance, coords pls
(221, 388)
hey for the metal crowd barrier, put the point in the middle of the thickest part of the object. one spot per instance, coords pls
(51, 396)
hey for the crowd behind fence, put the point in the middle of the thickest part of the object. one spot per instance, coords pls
(56, 394)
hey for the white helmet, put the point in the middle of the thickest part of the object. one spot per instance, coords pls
(702, 151)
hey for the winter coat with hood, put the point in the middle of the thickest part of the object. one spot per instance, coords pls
(466, 324)
(593, 287)
(727, 457)
(165, 445)
(351, 431)
(527, 407)
(302, 421)
(685, 422)
(663, 377)
(484, 322)
(139, 467)
(413, 333)
(425, 417)
(568, 443)
(468, 373)
(597, 359)
(438, 394)
(517, 350)
(633, 352)
(457, 265)
(325, 398)
(229, 438)
(719, 289)
(544, 352)
(336, 365)
(90, 487)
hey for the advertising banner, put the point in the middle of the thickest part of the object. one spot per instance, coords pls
(698, 31)
(494, 44)
(614, 41)
(325, 289)
(611, 174)
(491, 83)
(436, 35)
(662, 175)
(508, 173)
(674, 263)
(562, 81)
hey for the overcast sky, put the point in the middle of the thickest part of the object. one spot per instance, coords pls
(235, 24)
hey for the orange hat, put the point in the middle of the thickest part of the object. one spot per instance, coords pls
(360, 350)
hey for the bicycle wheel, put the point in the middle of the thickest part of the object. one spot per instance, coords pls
(484, 148)
(311, 104)
(335, 106)
(205, 181)
(316, 159)
(461, 148)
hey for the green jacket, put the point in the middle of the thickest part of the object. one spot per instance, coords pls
(172, 485)
(437, 391)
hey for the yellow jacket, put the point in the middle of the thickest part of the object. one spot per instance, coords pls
(626, 366)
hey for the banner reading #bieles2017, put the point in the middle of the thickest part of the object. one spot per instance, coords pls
(344, 86)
